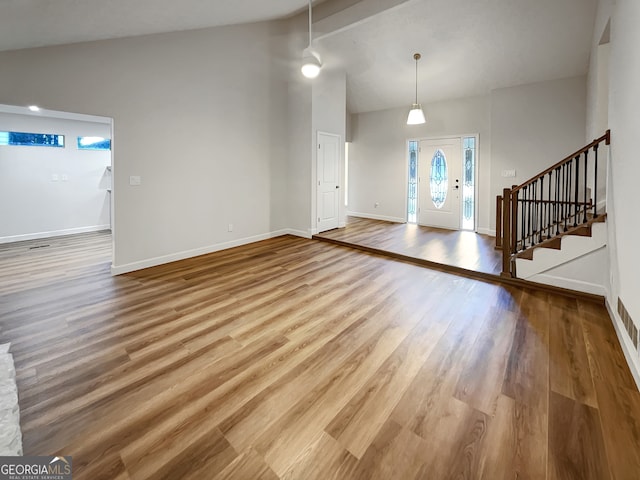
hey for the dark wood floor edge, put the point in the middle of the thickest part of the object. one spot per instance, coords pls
(487, 277)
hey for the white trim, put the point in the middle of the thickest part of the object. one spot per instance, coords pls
(316, 147)
(629, 350)
(53, 114)
(570, 284)
(55, 233)
(486, 231)
(174, 257)
(476, 174)
(298, 233)
(376, 217)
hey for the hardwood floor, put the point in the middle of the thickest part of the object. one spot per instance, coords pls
(468, 250)
(298, 359)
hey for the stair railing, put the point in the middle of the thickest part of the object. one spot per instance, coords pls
(562, 197)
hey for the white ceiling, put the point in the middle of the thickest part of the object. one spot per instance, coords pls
(468, 47)
(36, 23)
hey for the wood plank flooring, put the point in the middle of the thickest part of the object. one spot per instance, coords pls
(298, 359)
(468, 250)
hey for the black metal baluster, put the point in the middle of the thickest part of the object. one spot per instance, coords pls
(564, 196)
(549, 208)
(523, 230)
(586, 169)
(534, 213)
(595, 183)
(515, 223)
(576, 197)
(567, 197)
(541, 212)
(556, 204)
(529, 211)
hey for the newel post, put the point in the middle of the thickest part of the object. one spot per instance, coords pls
(499, 203)
(506, 232)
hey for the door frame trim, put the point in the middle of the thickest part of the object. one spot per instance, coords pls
(476, 212)
(314, 180)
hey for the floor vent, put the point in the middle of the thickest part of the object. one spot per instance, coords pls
(629, 324)
(39, 246)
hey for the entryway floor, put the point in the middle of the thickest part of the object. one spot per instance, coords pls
(463, 249)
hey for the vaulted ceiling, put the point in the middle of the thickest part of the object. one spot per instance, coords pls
(468, 47)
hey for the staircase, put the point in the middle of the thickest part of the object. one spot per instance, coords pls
(554, 217)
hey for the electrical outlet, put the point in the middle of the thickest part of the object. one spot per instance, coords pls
(64, 177)
(230, 227)
(376, 205)
(135, 180)
(55, 177)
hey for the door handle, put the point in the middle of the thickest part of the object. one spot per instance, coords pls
(337, 186)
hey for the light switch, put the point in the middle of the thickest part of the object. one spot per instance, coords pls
(64, 177)
(135, 180)
(508, 173)
(54, 177)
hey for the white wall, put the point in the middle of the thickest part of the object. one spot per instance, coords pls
(32, 204)
(534, 126)
(199, 115)
(526, 128)
(329, 115)
(378, 156)
(624, 168)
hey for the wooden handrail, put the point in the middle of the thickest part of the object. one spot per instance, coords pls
(548, 204)
(605, 138)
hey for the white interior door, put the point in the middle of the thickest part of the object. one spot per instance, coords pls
(440, 182)
(328, 199)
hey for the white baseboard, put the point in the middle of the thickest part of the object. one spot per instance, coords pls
(298, 233)
(174, 257)
(631, 354)
(376, 217)
(487, 231)
(54, 233)
(568, 283)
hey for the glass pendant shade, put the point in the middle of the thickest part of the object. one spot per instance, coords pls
(310, 64)
(416, 115)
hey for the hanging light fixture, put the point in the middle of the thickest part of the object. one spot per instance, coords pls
(416, 115)
(310, 60)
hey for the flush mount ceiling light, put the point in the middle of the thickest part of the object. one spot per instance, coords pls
(34, 108)
(416, 115)
(310, 60)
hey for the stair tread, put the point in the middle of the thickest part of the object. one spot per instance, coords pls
(583, 230)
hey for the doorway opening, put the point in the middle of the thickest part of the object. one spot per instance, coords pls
(441, 187)
(57, 177)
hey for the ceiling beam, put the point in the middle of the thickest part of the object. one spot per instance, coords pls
(352, 16)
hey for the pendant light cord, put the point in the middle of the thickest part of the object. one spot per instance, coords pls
(310, 23)
(416, 80)
(416, 57)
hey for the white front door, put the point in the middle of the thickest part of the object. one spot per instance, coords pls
(440, 182)
(328, 188)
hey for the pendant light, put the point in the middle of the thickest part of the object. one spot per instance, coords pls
(416, 115)
(310, 60)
